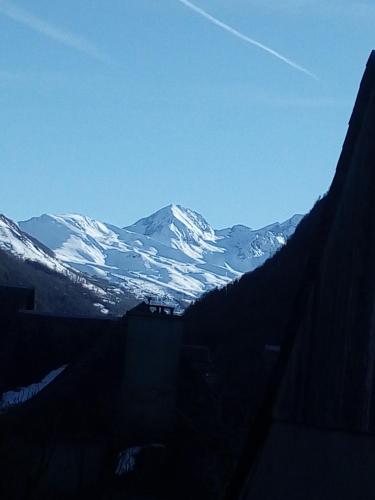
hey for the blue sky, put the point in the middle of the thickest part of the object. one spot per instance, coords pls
(115, 108)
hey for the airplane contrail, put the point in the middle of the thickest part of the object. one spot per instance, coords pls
(77, 42)
(245, 38)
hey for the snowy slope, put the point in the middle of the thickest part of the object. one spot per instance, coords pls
(15, 241)
(173, 254)
(22, 394)
(24, 246)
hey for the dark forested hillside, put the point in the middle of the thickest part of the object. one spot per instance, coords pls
(54, 292)
(246, 323)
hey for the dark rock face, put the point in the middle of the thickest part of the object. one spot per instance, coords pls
(315, 298)
(330, 378)
(326, 398)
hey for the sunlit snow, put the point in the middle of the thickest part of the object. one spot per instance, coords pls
(19, 243)
(172, 254)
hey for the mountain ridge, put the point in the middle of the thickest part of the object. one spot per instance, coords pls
(25, 261)
(173, 254)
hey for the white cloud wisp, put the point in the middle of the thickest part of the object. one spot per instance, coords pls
(245, 38)
(37, 24)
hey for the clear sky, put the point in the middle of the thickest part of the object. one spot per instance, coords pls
(115, 108)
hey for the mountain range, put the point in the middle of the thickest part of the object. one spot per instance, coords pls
(173, 255)
(60, 289)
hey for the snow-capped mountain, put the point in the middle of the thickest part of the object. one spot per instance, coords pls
(173, 254)
(179, 228)
(20, 244)
(15, 241)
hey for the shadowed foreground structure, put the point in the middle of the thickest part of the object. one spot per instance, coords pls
(315, 435)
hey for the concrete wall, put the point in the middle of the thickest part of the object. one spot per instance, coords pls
(152, 356)
(299, 462)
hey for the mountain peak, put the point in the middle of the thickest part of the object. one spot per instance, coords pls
(176, 226)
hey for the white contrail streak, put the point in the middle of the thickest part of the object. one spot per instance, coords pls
(245, 38)
(35, 23)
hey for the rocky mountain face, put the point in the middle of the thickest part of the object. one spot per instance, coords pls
(174, 254)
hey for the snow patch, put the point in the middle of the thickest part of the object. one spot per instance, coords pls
(22, 394)
(101, 307)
